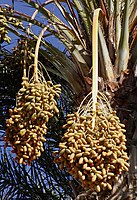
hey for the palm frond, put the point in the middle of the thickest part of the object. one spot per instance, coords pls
(123, 49)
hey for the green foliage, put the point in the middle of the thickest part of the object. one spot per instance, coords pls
(34, 182)
(73, 29)
(43, 179)
(71, 25)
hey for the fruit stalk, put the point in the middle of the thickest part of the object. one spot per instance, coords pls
(37, 51)
(95, 63)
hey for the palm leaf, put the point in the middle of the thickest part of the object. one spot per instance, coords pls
(123, 49)
(85, 16)
(106, 64)
(69, 38)
(117, 23)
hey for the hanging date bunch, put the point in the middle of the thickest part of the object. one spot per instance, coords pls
(93, 148)
(20, 49)
(27, 126)
(3, 29)
(94, 156)
(5, 21)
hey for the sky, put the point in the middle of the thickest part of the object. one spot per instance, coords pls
(26, 9)
(21, 7)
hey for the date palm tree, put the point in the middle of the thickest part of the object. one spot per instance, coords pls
(70, 22)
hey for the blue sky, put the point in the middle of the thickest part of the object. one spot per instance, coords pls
(25, 8)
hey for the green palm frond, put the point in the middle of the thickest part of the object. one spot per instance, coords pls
(71, 25)
(75, 34)
(28, 182)
(123, 48)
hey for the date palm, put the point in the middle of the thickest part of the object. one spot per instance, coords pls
(71, 24)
